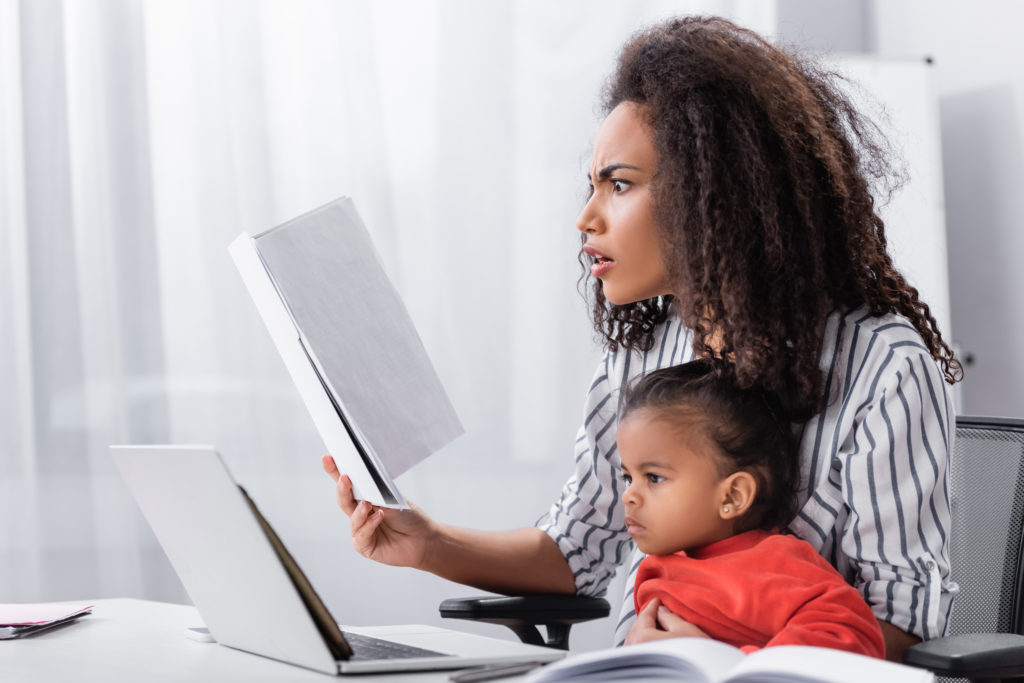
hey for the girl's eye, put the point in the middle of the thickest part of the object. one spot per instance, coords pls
(626, 478)
(655, 478)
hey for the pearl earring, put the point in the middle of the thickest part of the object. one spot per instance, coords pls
(725, 509)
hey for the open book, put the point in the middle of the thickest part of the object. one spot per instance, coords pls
(349, 345)
(703, 660)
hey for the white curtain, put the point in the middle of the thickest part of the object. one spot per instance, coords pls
(137, 138)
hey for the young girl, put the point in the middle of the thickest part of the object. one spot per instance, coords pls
(711, 475)
(732, 217)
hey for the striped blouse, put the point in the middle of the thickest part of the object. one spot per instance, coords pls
(875, 466)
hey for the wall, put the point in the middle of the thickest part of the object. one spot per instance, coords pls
(977, 56)
(980, 90)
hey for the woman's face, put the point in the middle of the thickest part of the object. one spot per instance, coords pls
(618, 219)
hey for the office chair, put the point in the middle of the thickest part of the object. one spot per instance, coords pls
(524, 613)
(986, 555)
(985, 641)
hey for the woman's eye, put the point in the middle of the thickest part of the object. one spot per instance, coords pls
(620, 185)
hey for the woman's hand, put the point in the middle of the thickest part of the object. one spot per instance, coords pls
(396, 537)
(656, 622)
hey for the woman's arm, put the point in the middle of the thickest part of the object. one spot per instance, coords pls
(895, 471)
(587, 520)
(519, 561)
(896, 641)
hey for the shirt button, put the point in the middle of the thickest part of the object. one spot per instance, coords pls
(929, 565)
(837, 464)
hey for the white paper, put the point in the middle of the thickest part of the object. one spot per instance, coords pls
(349, 345)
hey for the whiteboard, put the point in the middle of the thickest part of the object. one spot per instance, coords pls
(899, 95)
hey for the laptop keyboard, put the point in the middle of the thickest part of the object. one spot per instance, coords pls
(366, 647)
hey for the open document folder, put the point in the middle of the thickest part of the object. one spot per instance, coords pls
(350, 346)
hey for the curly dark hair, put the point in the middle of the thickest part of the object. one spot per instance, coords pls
(744, 424)
(763, 204)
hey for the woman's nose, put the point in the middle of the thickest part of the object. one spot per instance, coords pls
(588, 221)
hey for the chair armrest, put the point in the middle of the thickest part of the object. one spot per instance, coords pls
(532, 609)
(970, 655)
(523, 613)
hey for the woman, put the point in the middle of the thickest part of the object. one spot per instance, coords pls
(731, 217)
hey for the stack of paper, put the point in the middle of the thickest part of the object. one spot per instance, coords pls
(17, 621)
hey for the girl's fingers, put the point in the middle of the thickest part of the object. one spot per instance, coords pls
(676, 626)
(648, 615)
(670, 621)
(645, 627)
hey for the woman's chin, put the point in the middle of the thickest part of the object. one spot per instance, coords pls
(617, 299)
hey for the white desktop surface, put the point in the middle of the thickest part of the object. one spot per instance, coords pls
(137, 640)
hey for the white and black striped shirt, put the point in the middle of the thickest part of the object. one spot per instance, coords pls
(875, 464)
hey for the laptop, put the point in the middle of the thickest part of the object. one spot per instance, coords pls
(252, 594)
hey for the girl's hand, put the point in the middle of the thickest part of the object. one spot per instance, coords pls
(656, 622)
(395, 537)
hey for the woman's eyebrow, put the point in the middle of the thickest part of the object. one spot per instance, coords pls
(607, 171)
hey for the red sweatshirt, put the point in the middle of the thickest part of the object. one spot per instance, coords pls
(759, 589)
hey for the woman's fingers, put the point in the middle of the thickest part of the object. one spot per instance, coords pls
(346, 501)
(330, 467)
(364, 523)
(388, 536)
(359, 515)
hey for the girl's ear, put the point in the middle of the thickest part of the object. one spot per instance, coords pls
(738, 492)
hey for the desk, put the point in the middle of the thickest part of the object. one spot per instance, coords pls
(137, 640)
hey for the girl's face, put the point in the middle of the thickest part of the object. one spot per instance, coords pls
(618, 219)
(676, 496)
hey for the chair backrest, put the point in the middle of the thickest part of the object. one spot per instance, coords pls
(987, 498)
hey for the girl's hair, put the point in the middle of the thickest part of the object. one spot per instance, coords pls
(762, 206)
(744, 425)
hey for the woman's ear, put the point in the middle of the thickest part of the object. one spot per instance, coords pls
(738, 492)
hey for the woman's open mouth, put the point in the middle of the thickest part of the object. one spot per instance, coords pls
(601, 265)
